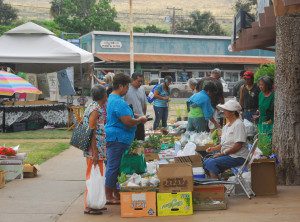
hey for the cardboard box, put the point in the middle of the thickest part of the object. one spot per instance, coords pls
(134, 204)
(263, 177)
(203, 148)
(176, 177)
(194, 160)
(13, 168)
(2, 179)
(209, 197)
(151, 156)
(30, 171)
(174, 204)
(138, 189)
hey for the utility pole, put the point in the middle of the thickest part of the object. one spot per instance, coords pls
(131, 39)
(173, 29)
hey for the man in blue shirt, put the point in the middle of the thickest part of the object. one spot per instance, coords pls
(120, 130)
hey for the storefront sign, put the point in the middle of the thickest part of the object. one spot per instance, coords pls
(111, 44)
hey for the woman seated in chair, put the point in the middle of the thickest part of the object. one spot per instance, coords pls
(232, 151)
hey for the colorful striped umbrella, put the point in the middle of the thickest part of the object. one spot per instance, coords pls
(10, 84)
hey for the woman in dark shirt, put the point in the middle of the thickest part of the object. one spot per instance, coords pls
(249, 96)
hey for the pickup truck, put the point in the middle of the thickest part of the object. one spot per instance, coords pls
(181, 89)
(226, 91)
(178, 89)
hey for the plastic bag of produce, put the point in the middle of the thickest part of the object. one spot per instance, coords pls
(96, 198)
(250, 128)
(133, 163)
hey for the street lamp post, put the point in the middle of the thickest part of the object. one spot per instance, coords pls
(131, 39)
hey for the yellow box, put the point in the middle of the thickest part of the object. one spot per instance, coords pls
(174, 204)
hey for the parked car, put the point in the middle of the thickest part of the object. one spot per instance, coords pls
(177, 89)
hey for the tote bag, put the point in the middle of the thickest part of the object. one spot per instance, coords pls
(82, 137)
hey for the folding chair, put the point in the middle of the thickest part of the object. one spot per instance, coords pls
(238, 177)
(76, 112)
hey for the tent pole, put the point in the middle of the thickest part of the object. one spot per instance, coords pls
(3, 120)
(81, 76)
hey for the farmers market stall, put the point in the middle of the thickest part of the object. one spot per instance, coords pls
(30, 117)
(52, 64)
(164, 175)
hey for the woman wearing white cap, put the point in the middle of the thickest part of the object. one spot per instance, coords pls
(232, 151)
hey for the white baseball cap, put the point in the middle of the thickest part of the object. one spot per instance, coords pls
(231, 105)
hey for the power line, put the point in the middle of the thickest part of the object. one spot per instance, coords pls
(174, 17)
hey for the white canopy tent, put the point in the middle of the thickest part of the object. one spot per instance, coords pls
(31, 43)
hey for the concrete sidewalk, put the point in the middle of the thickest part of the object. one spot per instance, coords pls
(56, 195)
(46, 197)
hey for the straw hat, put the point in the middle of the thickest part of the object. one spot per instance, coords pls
(231, 105)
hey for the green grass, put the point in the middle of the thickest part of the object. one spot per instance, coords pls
(38, 134)
(40, 145)
(39, 152)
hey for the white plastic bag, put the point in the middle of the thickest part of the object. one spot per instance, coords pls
(250, 128)
(189, 149)
(96, 198)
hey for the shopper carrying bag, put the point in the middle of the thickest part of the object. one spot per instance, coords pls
(96, 198)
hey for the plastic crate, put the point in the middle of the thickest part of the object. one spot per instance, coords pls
(17, 127)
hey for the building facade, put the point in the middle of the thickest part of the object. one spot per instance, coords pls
(158, 55)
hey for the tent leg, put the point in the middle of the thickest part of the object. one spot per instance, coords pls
(3, 120)
(81, 76)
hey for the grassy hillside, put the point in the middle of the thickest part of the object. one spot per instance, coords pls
(146, 12)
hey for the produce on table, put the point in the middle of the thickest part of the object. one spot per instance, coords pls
(7, 151)
(136, 147)
(122, 178)
(215, 137)
(153, 141)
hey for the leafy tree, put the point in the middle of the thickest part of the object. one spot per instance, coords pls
(149, 29)
(8, 14)
(265, 70)
(51, 25)
(200, 23)
(246, 5)
(83, 16)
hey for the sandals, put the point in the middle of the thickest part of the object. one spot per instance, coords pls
(113, 202)
(94, 211)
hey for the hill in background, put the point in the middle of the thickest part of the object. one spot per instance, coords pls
(146, 12)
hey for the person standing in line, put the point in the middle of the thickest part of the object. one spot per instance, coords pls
(201, 110)
(120, 131)
(249, 96)
(192, 83)
(237, 86)
(136, 97)
(162, 97)
(218, 97)
(214, 77)
(266, 101)
(95, 118)
(107, 83)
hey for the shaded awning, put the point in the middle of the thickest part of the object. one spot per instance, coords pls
(151, 58)
(261, 34)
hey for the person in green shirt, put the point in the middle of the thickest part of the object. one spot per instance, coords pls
(201, 109)
(266, 118)
(266, 101)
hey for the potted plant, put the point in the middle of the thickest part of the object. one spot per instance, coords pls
(185, 115)
(178, 114)
(265, 70)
